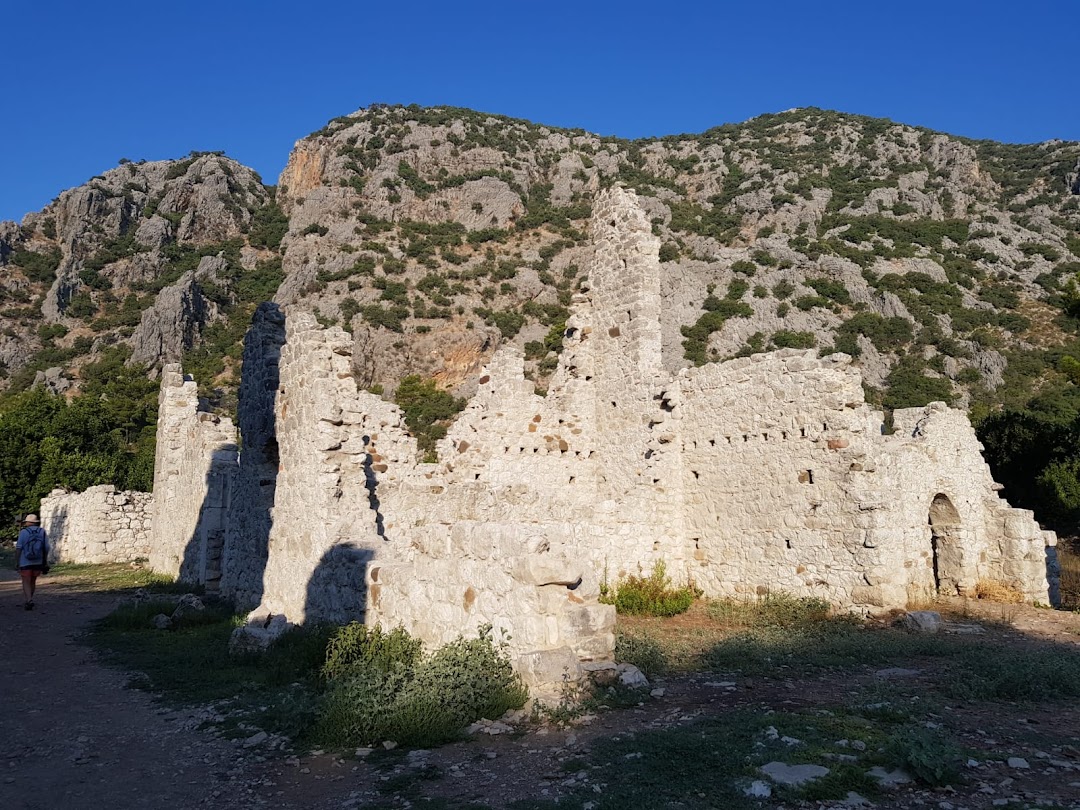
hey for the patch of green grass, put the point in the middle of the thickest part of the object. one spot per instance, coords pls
(116, 577)
(643, 651)
(191, 665)
(927, 754)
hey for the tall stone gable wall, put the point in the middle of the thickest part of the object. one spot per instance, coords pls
(98, 525)
(758, 474)
(193, 475)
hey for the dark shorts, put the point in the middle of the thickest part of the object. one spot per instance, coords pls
(30, 572)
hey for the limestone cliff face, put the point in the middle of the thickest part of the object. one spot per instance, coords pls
(105, 252)
(827, 229)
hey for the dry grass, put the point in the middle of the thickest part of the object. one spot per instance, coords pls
(994, 591)
(1069, 559)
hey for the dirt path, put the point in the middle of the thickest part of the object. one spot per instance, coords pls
(74, 737)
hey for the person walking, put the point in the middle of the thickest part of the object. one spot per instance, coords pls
(31, 557)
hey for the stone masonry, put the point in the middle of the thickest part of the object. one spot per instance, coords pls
(767, 473)
(194, 470)
(99, 525)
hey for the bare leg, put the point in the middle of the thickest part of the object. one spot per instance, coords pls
(27, 589)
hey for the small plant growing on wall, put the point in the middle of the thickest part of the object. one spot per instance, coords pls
(651, 595)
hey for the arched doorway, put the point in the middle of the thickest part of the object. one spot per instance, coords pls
(945, 541)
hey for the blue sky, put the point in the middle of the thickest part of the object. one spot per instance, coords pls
(87, 83)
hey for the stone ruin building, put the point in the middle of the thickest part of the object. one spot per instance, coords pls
(766, 473)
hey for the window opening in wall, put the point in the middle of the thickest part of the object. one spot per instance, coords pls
(802, 432)
(745, 438)
(571, 480)
(476, 477)
(787, 542)
(613, 405)
(806, 476)
(712, 442)
(695, 472)
(783, 434)
(824, 426)
(656, 545)
(765, 436)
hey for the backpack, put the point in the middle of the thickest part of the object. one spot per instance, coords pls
(33, 550)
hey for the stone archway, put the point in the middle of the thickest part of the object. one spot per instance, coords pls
(947, 545)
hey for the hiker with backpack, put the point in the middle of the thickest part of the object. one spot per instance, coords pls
(31, 557)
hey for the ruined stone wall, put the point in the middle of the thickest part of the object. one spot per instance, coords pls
(792, 486)
(98, 525)
(255, 484)
(942, 500)
(767, 473)
(362, 530)
(193, 474)
(774, 457)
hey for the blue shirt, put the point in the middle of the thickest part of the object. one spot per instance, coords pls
(25, 536)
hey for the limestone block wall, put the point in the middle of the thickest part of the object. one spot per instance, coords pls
(193, 476)
(98, 525)
(956, 529)
(775, 457)
(768, 473)
(361, 530)
(255, 483)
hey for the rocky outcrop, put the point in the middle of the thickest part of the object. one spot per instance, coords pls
(180, 312)
(118, 236)
(173, 324)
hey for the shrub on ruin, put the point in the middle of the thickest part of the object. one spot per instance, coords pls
(651, 595)
(381, 686)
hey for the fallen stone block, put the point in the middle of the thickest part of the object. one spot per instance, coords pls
(921, 621)
(258, 634)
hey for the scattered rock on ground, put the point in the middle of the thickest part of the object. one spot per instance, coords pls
(921, 621)
(794, 775)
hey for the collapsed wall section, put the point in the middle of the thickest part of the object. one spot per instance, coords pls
(193, 475)
(98, 525)
(362, 531)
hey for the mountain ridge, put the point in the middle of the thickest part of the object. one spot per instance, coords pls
(459, 229)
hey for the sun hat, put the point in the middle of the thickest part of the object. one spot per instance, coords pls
(31, 519)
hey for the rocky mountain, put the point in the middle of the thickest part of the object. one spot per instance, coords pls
(946, 265)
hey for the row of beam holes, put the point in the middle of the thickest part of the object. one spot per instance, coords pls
(765, 436)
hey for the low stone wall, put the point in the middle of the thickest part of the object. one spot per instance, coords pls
(99, 525)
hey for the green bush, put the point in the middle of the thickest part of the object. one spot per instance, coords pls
(786, 339)
(356, 647)
(427, 409)
(649, 596)
(382, 687)
(927, 754)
